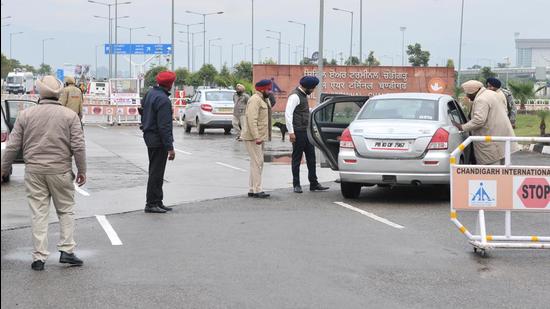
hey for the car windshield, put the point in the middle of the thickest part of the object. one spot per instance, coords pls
(14, 79)
(219, 96)
(400, 109)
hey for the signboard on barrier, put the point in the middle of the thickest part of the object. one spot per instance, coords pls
(500, 188)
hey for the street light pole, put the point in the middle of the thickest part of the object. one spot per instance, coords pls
(43, 47)
(279, 45)
(232, 48)
(204, 30)
(221, 50)
(320, 63)
(361, 31)
(209, 43)
(188, 46)
(403, 46)
(96, 76)
(460, 45)
(11, 35)
(252, 57)
(304, 38)
(131, 29)
(351, 31)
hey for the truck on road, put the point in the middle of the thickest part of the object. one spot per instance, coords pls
(20, 82)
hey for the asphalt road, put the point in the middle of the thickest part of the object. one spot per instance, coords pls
(289, 251)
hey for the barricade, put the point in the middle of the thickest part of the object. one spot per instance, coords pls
(98, 110)
(178, 108)
(504, 188)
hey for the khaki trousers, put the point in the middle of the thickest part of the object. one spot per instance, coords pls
(236, 125)
(256, 153)
(40, 190)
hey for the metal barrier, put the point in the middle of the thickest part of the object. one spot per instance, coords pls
(98, 110)
(499, 188)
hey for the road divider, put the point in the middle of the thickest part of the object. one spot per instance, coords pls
(370, 215)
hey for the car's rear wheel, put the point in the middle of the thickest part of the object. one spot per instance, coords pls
(227, 131)
(186, 126)
(200, 127)
(350, 189)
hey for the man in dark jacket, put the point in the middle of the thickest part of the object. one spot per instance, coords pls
(156, 123)
(297, 121)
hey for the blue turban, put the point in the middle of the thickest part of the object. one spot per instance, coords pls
(263, 85)
(309, 82)
(494, 82)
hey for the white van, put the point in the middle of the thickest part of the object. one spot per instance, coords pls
(20, 82)
(97, 88)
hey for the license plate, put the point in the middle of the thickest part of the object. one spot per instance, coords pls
(225, 110)
(390, 145)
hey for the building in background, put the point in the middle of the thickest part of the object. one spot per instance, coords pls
(531, 53)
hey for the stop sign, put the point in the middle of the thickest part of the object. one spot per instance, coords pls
(534, 193)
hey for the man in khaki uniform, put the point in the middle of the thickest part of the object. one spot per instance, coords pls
(257, 131)
(49, 135)
(239, 99)
(71, 96)
(488, 118)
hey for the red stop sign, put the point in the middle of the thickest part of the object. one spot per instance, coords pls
(534, 193)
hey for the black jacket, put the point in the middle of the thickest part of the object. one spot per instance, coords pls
(156, 119)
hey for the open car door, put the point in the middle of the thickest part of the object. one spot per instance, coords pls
(328, 120)
(10, 111)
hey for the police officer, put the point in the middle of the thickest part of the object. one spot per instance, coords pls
(297, 121)
(71, 97)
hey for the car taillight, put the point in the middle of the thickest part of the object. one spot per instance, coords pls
(439, 140)
(206, 107)
(345, 140)
(5, 136)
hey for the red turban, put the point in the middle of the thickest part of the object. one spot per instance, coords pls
(166, 79)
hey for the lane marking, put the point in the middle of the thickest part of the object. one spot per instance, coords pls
(370, 215)
(113, 236)
(231, 166)
(184, 152)
(80, 190)
(104, 128)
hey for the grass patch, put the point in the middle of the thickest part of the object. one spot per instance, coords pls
(527, 125)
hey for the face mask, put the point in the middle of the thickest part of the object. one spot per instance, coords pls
(239, 92)
(266, 95)
(308, 91)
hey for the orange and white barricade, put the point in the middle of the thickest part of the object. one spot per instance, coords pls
(499, 188)
(98, 110)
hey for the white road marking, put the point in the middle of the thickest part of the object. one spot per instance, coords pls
(105, 128)
(115, 241)
(184, 152)
(80, 190)
(231, 166)
(370, 215)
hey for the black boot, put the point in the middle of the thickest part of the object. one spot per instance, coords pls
(37, 265)
(161, 206)
(154, 208)
(70, 258)
(317, 187)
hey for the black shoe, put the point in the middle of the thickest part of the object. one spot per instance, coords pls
(161, 206)
(154, 209)
(261, 195)
(37, 265)
(70, 258)
(298, 189)
(250, 194)
(317, 187)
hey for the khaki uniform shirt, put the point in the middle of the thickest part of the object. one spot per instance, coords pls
(258, 119)
(71, 97)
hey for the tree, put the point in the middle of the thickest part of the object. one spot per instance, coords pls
(522, 91)
(543, 114)
(476, 67)
(486, 73)
(225, 78)
(306, 61)
(352, 61)
(181, 77)
(371, 61)
(502, 65)
(417, 56)
(269, 61)
(333, 62)
(450, 63)
(44, 69)
(243, 70)
(150, 78)
(207, 74)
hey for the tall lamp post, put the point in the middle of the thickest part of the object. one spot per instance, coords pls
(351, 31)
(209, 43)
(158, 37)
(204, 29)
(403, 45)
(279, 45)
(232, 48)
(109, 5)
(193, 49)
(11, 35)
(110, 20)
(130, 29)
(304, 37)
(460, 45)
(221, 50)
(188, 42)
(43, 47)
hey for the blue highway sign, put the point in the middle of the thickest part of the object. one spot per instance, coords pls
(138, 49)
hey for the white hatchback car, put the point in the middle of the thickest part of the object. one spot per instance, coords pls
(391, 139)
(210, 108)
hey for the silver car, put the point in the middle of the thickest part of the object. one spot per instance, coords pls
(392, 139)
(209, 108)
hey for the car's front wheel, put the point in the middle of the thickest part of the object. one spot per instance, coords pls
(350, 189)
(200, 127)
(186, 126)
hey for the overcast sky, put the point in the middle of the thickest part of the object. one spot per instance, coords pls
(488, 36)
